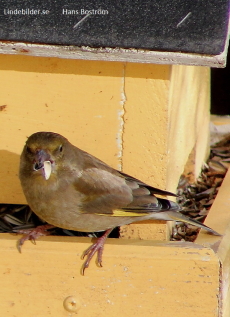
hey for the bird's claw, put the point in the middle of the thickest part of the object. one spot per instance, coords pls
(98, 247)
(32, 234)
(89, 253)
(23, 239)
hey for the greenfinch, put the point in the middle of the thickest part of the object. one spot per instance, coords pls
(72, 189)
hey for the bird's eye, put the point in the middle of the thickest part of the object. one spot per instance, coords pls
(28, 150)
(60, 148)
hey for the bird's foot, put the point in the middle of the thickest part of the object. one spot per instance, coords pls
(33, 234)
(98, 247)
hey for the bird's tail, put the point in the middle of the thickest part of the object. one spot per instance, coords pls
(176, 216)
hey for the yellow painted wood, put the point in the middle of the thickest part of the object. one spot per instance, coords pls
(166, 117)
(219, 215)
(138, 278)
(223, 252)
(189, 117)
(219, 219)
(142, 118)
(79, 99)
(146, 230)
(145, 122)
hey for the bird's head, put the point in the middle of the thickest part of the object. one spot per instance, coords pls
(42, 153)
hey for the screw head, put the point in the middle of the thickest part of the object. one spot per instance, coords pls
(72, 304)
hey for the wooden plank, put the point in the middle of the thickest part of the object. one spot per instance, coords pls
(114, 54)
(219, 219)
(139, 278)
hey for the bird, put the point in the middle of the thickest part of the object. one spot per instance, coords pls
(72, 189)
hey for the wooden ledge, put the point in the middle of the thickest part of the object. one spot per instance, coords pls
(219, 219)
(144, 277)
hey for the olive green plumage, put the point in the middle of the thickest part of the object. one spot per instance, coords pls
(83, 193)
(72, 189)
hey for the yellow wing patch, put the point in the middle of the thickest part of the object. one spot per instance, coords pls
(123, 213)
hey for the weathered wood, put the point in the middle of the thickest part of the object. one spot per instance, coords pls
(114, 54)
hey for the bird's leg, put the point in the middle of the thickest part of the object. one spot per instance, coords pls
(33, 234)
(98, 247)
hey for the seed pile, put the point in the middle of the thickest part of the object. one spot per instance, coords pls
(196, 199)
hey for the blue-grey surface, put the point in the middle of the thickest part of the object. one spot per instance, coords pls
(195, 26)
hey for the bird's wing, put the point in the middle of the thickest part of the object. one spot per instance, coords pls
(153, 190)
(110, 193)
(91, 161)
(102, 191)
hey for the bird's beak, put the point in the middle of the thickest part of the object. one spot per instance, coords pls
(42, 161)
